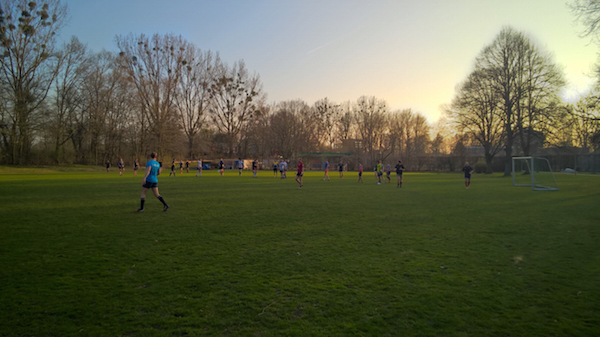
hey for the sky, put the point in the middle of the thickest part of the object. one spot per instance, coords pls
(412, 54)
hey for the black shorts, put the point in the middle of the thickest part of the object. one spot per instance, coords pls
(360, 174)
(150, 185)
(299, 174)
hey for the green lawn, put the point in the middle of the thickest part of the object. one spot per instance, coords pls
(259, 257)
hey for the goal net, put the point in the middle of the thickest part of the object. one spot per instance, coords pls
(535, 172)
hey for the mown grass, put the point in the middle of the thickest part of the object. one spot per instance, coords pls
(243, 256)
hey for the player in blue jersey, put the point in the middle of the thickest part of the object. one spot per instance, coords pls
(326, 170)
(240, 165)
(150, 181)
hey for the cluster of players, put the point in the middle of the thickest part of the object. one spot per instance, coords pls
(154, 168)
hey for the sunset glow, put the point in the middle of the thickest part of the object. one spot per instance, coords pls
(411, 54)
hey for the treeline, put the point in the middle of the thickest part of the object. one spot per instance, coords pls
(66, 104)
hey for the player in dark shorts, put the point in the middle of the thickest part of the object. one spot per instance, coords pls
(150, 181)
(107, 166)
(221, 166)
(136, 166)
(275, 169)
(254, 167)
(467, 170)
(300, 172)
(360, 172)
(388, 172)
(173, 169)
(341, 169)
(187, 166)
(399, 170)
(240, 166)
(121, 166)
(181, 166)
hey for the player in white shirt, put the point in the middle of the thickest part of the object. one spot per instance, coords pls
(199, 168)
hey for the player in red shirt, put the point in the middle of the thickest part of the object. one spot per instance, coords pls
(300, 172)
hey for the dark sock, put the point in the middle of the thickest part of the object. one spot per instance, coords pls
(162, 200)
(142, 203)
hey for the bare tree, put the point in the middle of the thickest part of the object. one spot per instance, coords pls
(193, 97)
(588, 13)
(345, 123)
(523, 78)
(327, 114)
(292, 129)
(67, 98)
(540, 82)
(371, 119)
(235, 95)
(154, 66)
(28, 66)
(475, 111)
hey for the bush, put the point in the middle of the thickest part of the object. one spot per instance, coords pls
(480, 167)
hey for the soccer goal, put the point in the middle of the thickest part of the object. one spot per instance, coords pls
(535, 172)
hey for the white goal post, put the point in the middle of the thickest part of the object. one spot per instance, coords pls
(535, 172)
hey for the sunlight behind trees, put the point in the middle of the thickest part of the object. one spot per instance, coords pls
(66, 104)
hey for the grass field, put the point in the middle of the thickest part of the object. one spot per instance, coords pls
(258, 257)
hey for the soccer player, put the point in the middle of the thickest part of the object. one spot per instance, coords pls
(281, 164)
(136, 166)
(181, 166)
(121, 166)
(341, 169)
(399, 170)
(360, 172)
(173, 169)
(240, 165)
(221, 166)
(275, 169)
(187, 166)
(388, 172)
(467, 170)
(199, 168)
(379, 172)
(254, 167)
(150, 181)
(326, 170)
(300, 172)
(107, 166)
